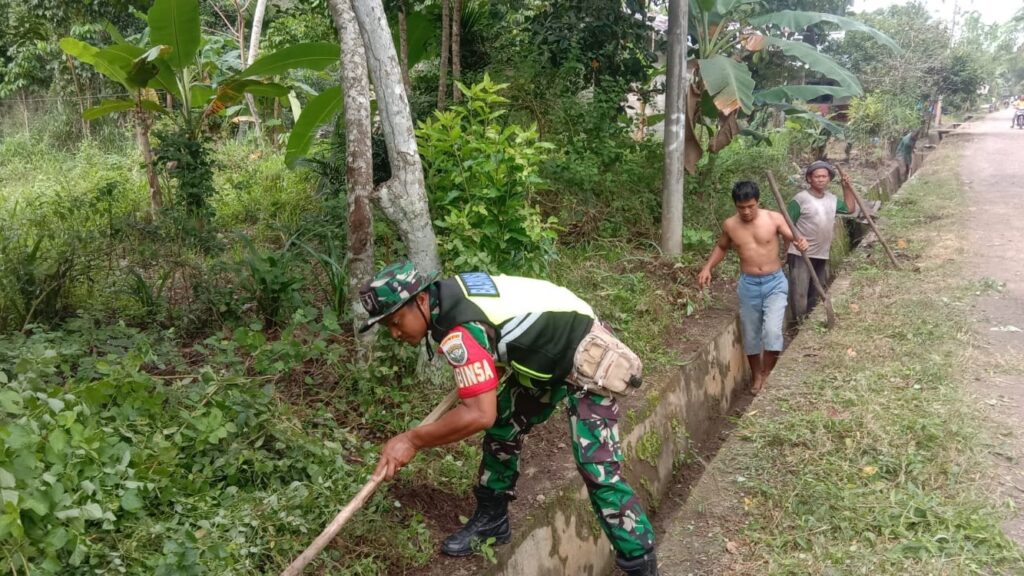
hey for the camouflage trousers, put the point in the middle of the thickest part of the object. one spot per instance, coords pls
(593, 422)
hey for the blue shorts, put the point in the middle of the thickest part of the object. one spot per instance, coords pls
(762, 311)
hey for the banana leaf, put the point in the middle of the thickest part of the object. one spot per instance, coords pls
(317, 112)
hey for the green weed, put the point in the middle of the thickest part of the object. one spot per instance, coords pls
(106, 466)
(269, 279)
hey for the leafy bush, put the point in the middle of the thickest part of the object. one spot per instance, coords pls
(883, 116)
(108, 468)
(187, 160)
(480, 176)
(268, 278)
(601, 182)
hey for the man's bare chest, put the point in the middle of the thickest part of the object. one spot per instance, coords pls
(754, 237)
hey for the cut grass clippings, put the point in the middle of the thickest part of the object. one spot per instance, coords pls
(868, 457)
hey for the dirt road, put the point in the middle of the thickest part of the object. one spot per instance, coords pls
(992, 170)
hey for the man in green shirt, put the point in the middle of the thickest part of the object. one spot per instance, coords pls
(905, 149)
(813, 212)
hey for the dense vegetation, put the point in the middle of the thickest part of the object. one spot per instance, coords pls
(179, 384)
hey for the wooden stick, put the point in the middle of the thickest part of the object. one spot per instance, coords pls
(830, 314)
(332, 529)
(871, 221)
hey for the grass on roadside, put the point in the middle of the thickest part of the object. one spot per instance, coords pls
(871, 459)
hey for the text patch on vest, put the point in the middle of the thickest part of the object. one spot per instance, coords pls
(478, 284)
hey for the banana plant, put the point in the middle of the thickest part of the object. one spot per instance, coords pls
(170, 64)
(728, 33)
(133, 68)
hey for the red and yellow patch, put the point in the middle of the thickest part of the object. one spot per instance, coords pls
(454, 349)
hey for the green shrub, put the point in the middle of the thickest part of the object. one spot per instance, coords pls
(609, 198)
(105, 468)
(270, 280)
(187, 160)
(603, 184)
(481, 174)
(883, 116)
(38, 268)
(63, 216)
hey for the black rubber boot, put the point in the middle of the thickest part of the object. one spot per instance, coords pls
(646, 565)
(489, 521)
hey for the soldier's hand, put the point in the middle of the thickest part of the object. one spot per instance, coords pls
(397, 452)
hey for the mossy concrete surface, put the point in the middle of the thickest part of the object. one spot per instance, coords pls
(562, 537)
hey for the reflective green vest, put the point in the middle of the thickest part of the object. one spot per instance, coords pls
(537, 325)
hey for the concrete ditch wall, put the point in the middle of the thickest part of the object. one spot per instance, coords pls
(562, 536)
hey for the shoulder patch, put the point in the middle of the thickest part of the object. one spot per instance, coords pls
(454, 348)
(478, 284)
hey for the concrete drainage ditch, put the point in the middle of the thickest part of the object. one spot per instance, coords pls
(561, 536)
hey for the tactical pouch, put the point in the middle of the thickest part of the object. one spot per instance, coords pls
(604, 365)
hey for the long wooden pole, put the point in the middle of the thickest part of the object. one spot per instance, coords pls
(830, 314)
(332, 529)
(871, 221)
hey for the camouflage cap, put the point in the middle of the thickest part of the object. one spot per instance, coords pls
(390, 288)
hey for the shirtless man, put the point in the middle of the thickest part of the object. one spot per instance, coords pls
(763, 289)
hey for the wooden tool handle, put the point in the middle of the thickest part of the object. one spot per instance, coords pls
(332, 529)
(829, 312)
(871, 222)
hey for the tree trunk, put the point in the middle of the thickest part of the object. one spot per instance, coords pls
(358, 161)
(256, 31)
(78, 94)
(403, 45)
(156, 200)
(254, 48)
(456, 49)
(23, 96)
(675, 127)
(442, 82)
(275, 132)
(403, 198)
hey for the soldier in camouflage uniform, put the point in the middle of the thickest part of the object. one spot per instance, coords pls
(523, 333)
